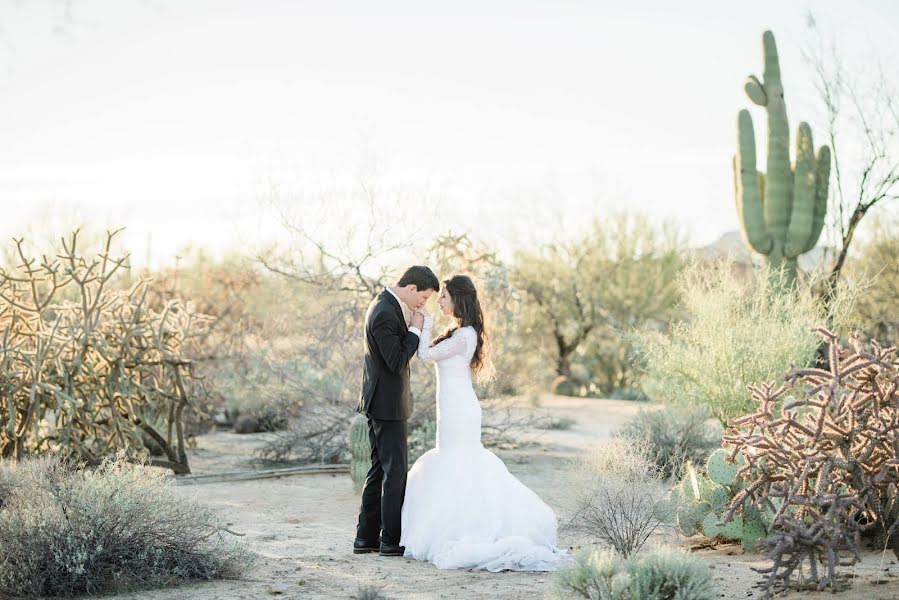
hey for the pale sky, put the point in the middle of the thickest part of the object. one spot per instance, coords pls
(173, 118)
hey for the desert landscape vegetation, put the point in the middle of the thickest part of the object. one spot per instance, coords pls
(706, 421)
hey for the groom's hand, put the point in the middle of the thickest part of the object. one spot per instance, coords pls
(418, 320)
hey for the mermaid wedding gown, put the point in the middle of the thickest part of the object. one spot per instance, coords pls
(463, 509)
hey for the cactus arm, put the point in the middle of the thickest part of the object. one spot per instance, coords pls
(749, 199)
(755, 90)
(802, 218)
(778, 197)
(822, 181)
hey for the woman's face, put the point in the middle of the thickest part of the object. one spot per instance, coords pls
(445, 302)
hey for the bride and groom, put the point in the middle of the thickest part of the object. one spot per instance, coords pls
(459, 507)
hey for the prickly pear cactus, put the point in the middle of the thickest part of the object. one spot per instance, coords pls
(720, 470)
(690, 516)
(753, 531)
(700, 503)
(781, 211)
(360, 461)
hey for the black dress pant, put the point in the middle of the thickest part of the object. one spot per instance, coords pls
(385, 485)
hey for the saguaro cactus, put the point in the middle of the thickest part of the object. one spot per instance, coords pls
(781, 211)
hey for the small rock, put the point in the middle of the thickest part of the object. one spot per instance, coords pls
(246, 424)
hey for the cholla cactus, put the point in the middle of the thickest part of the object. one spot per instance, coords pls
(781, 211)
(822, 455)
(87, 369)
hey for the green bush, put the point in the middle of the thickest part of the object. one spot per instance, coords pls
(68, 531)
(627, 394)
(563, 386)
(668, 573)
(660, 574)
(735, 332)
(879, 260)
(676, 434)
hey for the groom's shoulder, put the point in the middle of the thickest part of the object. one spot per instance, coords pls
(378, 304)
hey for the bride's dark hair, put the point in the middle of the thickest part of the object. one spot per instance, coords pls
(467, 311)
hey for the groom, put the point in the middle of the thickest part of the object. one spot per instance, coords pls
(390, 343)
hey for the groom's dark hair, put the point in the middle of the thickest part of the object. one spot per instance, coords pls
(422, 277)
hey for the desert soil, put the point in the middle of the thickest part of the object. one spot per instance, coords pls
(301, 528)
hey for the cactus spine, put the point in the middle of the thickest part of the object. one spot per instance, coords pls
(781, 211)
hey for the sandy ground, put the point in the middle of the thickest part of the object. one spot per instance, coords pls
(301, 528)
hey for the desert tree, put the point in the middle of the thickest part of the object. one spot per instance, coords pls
(620, 275)
(860, 114)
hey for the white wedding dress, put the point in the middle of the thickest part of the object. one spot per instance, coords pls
(463, 509)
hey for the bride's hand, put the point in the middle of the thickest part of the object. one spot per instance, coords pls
(424, 312)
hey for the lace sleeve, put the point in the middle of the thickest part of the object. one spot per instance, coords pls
(451, 346)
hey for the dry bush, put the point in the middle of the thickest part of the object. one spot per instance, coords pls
(614, 495)
(675, 434)
(69, 531)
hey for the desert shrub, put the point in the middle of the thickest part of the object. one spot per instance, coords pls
(369, 592)
(670, 573)
(68, 530)
(735, 333)
(660, 574)
(564, 386)
(878, 260)
(318, 436)
(632, 394)
(675, 434)
(596, 575)
(614, 494)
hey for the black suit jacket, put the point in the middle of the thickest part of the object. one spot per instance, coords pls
(389, 346)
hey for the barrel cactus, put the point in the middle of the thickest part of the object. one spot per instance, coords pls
(360, 461)
(782, 210)
(700, 502)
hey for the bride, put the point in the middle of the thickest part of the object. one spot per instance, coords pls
(462, 507)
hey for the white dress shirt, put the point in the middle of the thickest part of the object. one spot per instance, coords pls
(407, 313)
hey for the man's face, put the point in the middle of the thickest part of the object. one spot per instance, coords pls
(418, 299)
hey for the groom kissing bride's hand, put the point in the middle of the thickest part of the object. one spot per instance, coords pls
(461, 509)
(418, 317)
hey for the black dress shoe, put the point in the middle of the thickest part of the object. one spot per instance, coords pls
(392, 550)
(360, 546)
